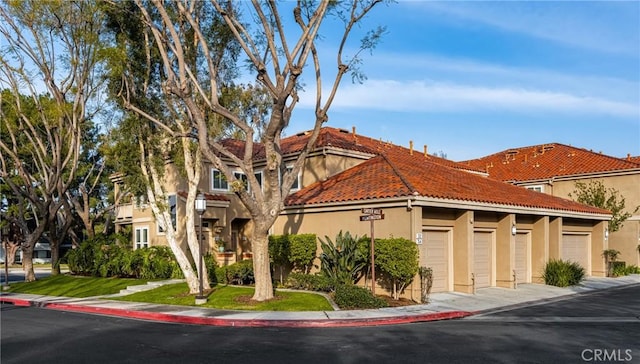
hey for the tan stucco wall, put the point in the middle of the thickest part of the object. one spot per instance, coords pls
(626, 239)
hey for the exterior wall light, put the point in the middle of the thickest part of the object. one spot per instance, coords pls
(606, 234)
(513, 229)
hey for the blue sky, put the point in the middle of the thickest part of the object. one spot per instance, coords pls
(475, 78)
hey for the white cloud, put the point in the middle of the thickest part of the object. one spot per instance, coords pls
(421, 96)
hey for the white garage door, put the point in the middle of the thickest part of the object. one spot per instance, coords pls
(575, 248)
(482, 258)
(434, 253)
(523, 258)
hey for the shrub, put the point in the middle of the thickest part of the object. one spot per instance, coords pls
(309, 282)
(342, 261)
(348, 296)
(618, 269)
(632, 269)
(158, 262)
(212, 265)
(279, 252)
(562, 273)
(302, 251)
(397, 259)
(240, 273)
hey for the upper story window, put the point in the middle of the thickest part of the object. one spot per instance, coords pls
(296, 183)
(218, 180)
(172, 204)
(142, 237)
(538, 188)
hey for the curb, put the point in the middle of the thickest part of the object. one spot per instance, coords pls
(213, 321)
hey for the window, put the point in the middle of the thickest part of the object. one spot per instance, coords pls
(141, 201)
(172, 204)
(142, 237)
(242, 178)
(538, 188)
(218, 180)
(259, 178)
(296, 183)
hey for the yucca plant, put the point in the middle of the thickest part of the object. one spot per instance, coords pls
(341, 262)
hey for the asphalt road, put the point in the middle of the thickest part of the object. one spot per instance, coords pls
(585, 329)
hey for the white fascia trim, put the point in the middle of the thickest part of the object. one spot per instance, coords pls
(441, 202)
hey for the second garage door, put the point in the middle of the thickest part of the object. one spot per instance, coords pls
(575, 248)
(434, 253)
(523, 260)
(482, 261)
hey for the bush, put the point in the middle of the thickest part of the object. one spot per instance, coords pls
(618, 269)
(212, 265)
(110, 256)
(632, 269)
(397, 259)
(349, 296)
(302, 251)
(309, 282)
(562, 273)
(342, 262)
(240, 273)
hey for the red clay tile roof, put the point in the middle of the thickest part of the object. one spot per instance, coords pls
(335, 138)
(546, 161)
(397, 173)
(635, 159)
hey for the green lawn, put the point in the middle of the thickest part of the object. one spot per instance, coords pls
(69, 286)
(232, 298)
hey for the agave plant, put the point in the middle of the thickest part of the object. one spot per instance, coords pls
(341, 261)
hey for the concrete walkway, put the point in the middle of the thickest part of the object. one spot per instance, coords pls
(442, 306)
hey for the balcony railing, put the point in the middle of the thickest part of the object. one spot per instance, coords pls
(124, 212)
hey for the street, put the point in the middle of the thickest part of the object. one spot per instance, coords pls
(602, 326)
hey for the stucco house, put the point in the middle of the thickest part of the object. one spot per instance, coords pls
(555, 168)
(474, 231)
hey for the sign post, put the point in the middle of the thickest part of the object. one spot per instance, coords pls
(372, 215)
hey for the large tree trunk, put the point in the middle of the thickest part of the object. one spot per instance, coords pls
(261, 268)
(27, 262)
(55, 257)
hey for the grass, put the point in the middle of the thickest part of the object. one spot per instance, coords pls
(232, 298)
(69, 286)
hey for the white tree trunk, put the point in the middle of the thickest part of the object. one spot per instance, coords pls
(261, 267)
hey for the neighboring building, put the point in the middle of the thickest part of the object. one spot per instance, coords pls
(555, 168)
(472, 230)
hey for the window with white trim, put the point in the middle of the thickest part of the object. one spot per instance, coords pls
(142, 237)
(218, 180)
(296, 183)
(259, 178)
(172, 204)
(242, 178)
(537, 188)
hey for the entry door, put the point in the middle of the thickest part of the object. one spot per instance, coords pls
(575, 248)
(434, 253)
(523, 258)
(482, 259)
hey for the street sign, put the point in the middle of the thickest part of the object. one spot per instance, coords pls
(372, 211)
(371, 217)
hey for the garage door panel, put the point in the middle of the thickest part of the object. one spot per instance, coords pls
(522, 258)
(482, 259)
(434, 253)
(575, 248)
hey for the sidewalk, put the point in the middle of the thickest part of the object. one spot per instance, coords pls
(443, 306)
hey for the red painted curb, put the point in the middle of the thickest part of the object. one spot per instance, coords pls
(213, 321)
(16, 301)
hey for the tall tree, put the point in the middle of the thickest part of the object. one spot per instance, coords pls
(51, 57)
(278, 48)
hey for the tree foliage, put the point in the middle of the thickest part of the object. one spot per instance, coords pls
(397, 259)
(596, 194)
(200, 47)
